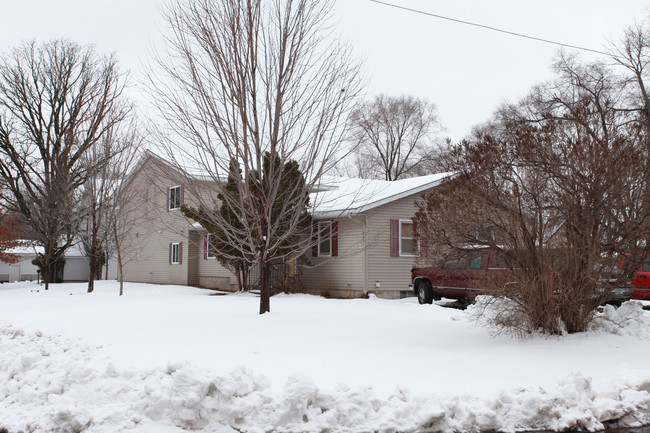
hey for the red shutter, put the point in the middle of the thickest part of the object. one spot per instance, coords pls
(168, 193)
(314, 239)
(394, 238)
(180, 253)
(205, 248)
(335, 238)
(170, 253)
(416, 239)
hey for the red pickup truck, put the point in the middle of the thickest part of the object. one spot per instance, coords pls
(464, 279)
(460, 279)
(641, 282)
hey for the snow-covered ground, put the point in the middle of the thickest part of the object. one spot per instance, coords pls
(171, 359)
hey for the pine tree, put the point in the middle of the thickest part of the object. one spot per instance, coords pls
(231, 247)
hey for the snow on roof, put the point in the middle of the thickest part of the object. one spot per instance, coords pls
(25, 250)
(338, 197)
(28, 249)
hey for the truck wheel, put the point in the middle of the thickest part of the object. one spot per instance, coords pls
(465, 302)
(425, 293)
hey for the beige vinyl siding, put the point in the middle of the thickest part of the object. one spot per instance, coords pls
(156, 227)
(392, 273)
(211, 267)
(341, 273)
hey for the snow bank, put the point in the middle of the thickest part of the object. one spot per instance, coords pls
(53, 384)
(171, 359)
(500, 315)
(628, 320)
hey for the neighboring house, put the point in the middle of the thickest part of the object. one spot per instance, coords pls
(363, 232)
(76, 265)
(365, 236)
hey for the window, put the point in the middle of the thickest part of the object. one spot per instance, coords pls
(475, 263)
(500, 263)
(175, 254)
(174, 198)
(454, 264)
(407, 244)
(210, 250)
(324, 238)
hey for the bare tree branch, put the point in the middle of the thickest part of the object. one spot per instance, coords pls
(394, 137)
(57, 100)
(247, 80)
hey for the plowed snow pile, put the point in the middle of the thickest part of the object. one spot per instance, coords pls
(172, 359)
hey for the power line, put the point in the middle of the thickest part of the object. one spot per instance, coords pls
(469, 23)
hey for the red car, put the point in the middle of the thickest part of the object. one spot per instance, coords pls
(642, 281)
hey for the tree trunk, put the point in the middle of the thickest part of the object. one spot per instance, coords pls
(238, 272)
(118, 252)
(92, 264)
(93, 248)
(265, 288)
(47, 269)
(244, 275)
(120, 271)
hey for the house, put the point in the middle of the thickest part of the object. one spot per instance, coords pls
(76, 265)
(365, 236)
(363, 233)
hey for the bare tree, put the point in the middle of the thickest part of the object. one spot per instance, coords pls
(57, 100)
(122, 215)
(394, 137)
(554, 187)
(633, 55)
(246, 82)
(113, 156)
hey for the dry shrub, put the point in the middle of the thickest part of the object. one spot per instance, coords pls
(558, 187)
(546, 300)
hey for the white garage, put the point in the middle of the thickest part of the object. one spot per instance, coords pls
(76, 265)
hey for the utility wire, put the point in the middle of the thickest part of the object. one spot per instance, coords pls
(489, 27)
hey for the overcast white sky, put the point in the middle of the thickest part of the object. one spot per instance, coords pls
(465, 70)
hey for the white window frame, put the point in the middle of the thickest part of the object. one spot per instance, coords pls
(401, 238)
(320, 238)
(176, 251)
(209, 255)
(178, 195)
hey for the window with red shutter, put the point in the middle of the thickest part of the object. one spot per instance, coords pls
(407, 244)
(325, 239)
(314, 239)
(174, 197)
(394, 238)
(175, 253)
